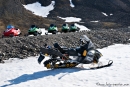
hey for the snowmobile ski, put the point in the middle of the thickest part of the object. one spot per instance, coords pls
(103, 66)
(57, 64)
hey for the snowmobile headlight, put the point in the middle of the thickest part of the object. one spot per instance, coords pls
(97, 56)
(101, 55)
(46, 54)
(92, 51)
(48, 66)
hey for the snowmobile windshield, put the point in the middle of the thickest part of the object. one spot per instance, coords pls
(52, 25)
(65, 24)
(32, 26)
(10, 26)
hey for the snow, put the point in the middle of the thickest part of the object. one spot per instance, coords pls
(28, 73)
(104, 14)
(37, 9)
(94, 21)
(111, 14)
(71, 19)
(74, 19)
(71, 4)
(82, 27)
(43, 31)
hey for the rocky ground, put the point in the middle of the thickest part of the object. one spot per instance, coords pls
(23, 47)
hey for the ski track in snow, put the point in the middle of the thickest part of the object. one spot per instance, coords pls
(28, 73)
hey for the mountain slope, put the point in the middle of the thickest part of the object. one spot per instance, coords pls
(13, 12)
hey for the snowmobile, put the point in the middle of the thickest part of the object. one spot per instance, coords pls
(34, 30)
(63, 57)
(65, 28)
(52, 29)
(11, 31)
(73, 28)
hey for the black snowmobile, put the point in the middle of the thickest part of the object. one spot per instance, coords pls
(63, 57)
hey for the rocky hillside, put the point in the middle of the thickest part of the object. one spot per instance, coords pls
(118, 13)
(22, 47)
(13, 12)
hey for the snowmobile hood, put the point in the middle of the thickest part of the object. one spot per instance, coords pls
(33, 29)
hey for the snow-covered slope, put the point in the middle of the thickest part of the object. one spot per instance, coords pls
(37, 9)
(28, 73)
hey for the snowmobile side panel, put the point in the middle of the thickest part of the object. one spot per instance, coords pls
(71, 52)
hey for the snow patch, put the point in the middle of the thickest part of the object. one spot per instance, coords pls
(71, 4)
(43, 31)
(94, 21)
(82, 27)
(37, 9)
(104, 14)
(71, 19)
(111, 14)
